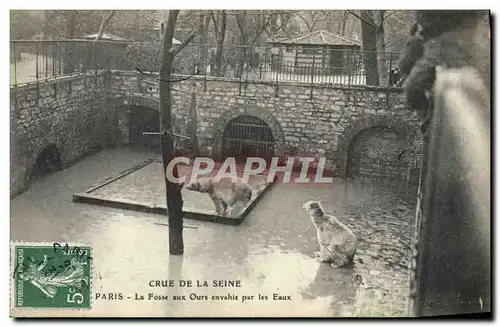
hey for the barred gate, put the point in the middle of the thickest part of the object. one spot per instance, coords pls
(247, 136)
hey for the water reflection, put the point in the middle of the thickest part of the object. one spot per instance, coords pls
(336, 283)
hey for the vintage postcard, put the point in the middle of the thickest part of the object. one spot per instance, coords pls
(249, 163)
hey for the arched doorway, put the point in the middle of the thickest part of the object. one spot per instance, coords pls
(247, 136)
(379, 153)
(48, 161)
(141, 120)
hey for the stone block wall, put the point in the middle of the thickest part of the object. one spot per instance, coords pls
(69, 112)
(330, 118)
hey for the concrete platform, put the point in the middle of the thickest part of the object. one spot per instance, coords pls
(142, 188)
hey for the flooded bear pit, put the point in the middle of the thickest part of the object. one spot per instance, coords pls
(270, 252)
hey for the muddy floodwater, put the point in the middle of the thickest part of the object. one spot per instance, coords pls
(269, 253)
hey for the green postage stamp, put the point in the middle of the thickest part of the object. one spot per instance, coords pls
(51, 275)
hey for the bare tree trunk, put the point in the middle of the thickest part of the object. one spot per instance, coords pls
(71, 19)
(204, 23)
(381, 55)
(174, 195)
(69, 58)
(369, 37)
(345, 16)
(104, 23)
(285, 18)
(46, 15)
(192, 125)
(241, 19)
(309, 26)
(102, 28)
(220, 35)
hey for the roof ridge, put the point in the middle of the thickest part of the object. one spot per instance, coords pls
(322, 33)
(343, 37)
(296, 37)
(300, 37)
(335, 34)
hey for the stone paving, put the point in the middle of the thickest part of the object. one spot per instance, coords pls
(270, 252)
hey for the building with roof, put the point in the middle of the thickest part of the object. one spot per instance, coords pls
(332, 53)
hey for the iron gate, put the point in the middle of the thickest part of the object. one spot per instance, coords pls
(247, 136)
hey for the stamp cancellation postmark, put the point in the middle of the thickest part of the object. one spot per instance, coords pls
(51, 275)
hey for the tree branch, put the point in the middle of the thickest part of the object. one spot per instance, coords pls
(168, 33)
(370, 13)
(391, 13)
(266, 26)
(262, 26)
(223, 25)
(216, 25)
(317, 21)
(104, 22)
(360, 18)
(239, 21)
(184, 44)
(204, 28)
(324, 19)
(305, 21)
(378, 19)
(59, 12)
(284, 20)
(190, 38)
